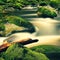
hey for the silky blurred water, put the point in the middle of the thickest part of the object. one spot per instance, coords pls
(46, 26)
(47, 30)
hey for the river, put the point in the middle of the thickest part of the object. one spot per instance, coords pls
(47, 32)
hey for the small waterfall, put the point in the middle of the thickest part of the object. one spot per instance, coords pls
(47, 32)
(46, 26)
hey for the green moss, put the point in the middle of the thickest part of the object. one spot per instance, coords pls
(1, 58)
(18, 52)
(2, 27)
(1, 9)
(46, 48)
(54, 3)
(47, 11)
(20, 22)
(51, 51)
(43, 3)
(17, 24)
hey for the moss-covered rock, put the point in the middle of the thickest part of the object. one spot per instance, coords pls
(51, 51)
(12, 28)
(18, 52)
(13, 24)
(55, 3)
(4, 9)
(20, 22)
(43, 4)
(47, 11)
(46, 48)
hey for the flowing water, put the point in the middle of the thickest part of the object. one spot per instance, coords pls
(47, 31)
(46, 26)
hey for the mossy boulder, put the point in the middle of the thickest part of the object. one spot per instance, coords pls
(17, 52)
(21, 22)
(13, 24)
(4, 9)
(55, 3)
(51, 51)
(47, 11)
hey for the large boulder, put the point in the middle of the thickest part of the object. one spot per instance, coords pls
(51, 51)
(47, 11)
(13, 24)
(18, 52)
